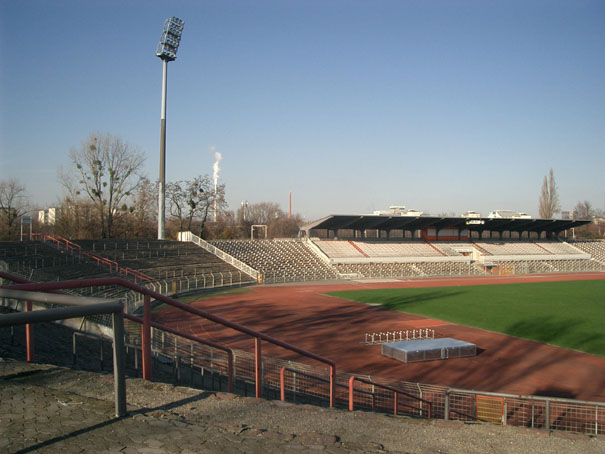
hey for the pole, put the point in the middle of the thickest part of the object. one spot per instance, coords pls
(146, 338)
(258, 375)
(119, 379)
(162, 186)
(29, 335)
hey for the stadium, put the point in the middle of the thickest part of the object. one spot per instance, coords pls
(266, 317)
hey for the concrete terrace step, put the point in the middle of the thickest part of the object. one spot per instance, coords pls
(48, 408)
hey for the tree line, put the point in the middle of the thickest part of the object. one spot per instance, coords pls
(106, 195)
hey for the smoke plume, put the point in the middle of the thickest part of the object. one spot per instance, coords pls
(216, 167)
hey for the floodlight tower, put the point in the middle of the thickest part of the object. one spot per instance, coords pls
(169, 44)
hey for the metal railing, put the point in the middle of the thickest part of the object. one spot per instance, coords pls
(188, 236)
(74, 248)
(395, 399)
(146, 333)
(182, 284)
(81, 307)
(537, 412)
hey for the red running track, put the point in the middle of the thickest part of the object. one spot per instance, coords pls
(335, 328)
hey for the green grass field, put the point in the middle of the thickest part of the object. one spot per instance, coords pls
(567, 314)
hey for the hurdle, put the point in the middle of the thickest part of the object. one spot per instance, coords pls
(399, 336)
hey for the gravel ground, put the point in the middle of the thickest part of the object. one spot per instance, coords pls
(220, 422)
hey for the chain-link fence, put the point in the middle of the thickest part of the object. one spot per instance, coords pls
(526, 411)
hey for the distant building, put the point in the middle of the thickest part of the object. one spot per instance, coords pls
(399, 210)
(470, 214)
(47, 217)
(507, 214)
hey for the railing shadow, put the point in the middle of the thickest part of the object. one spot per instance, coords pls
(115, 420)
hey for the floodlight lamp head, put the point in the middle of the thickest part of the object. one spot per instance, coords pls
(170, 40)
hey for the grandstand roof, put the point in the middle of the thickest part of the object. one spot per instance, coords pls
(389, 222)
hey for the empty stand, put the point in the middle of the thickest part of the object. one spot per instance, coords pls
(176, 266)
(596, 248)
(285, 260)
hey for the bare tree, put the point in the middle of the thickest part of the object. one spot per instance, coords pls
(194, 200)
(76, 218)
(264, 213)
(107, 170)
(583, 210)
(143, 210)
(549, 197)
(285, 227)
(279, 225)
(13, 205)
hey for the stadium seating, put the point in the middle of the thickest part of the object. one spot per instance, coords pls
(159, 259)
(398, 249)
(183, 266)
(409, 269)
(335, 249)
(596, 248)
(338, 249)
(284, 260)
(558, 248)
(548, 266)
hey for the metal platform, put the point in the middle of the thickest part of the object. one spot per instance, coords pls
(428, 349)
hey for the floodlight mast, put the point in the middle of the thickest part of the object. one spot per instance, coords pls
(167, 49)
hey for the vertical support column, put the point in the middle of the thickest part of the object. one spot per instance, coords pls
(282, 384)
(351, 391)
(332, 386)
(118, 364)
(146, 338)
(230, 371)
(257, 367)
(162, 182)
(29, 335)
(446, 411)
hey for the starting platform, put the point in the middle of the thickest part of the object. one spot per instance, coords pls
(428, 349)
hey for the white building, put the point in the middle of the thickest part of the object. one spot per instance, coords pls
(399, 210)
(507, 214)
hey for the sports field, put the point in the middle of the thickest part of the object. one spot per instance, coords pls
(566, 314)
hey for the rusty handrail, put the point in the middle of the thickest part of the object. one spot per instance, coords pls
(389, 388)
(282, 380)
(258, 336)
(167, 329)
(78, 306)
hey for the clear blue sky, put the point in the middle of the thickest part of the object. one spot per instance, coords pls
(442, 106)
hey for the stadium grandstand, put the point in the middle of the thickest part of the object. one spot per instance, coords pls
(403, 245)
(335, 247)
(168, 267)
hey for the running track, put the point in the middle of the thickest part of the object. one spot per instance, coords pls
(335, 328)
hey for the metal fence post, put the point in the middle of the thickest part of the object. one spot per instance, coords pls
(29, 335)
(146, 338)
(118, 363)
(257, 367)
(351, 391)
